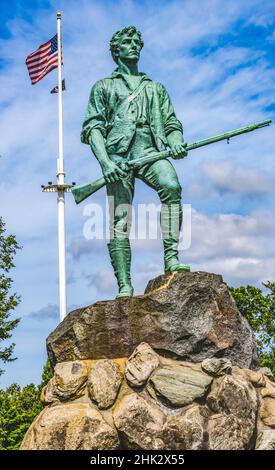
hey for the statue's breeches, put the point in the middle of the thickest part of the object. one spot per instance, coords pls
(159, 175)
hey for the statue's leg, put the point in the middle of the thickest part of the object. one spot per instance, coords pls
(120, 195)
(162, 177)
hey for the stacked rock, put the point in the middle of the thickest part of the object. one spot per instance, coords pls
(156, 397)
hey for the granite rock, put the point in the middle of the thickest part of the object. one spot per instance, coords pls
(234, 402)
(216, 366)
(266, 440)
(188, 316)
(187, 430)
(68, 382)
(72, 426)
(178, 385)
(139, 422)
(267, 411)
(104, 382)
(141, 364)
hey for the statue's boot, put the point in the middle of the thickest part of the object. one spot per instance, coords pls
(120, 254)
(171, 221)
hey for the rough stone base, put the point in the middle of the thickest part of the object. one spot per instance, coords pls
(170, 369)
(152, 402)
(187, 316)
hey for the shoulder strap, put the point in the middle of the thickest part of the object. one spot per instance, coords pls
(129, 98)
(136, 92)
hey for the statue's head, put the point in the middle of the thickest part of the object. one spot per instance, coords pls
(126, 44)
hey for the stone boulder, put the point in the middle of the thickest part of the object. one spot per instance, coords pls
(71, 426)
(173, 369)
(67, 383)
(187, 316)
(234, 403)
(216, 367)
(104, 382)
(178, 405)
(186, 431)
(141, 364)
(178, 385)
(139, 422)
(267, 411)
(266, 440)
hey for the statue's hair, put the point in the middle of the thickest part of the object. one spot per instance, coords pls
(116, 38)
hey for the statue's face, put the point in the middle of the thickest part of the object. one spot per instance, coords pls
(129, 47)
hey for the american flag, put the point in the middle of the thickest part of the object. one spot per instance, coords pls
(43, 60)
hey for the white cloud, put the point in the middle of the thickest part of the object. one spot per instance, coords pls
(241, 248)
(103, 280)
(219, 242)
(271, 38)
(216, 85)
(228, 177)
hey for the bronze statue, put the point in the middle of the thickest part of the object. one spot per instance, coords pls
(128, 116)
(129, 124)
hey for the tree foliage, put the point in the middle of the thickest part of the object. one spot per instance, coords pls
(258, 308)
(18, 408)
(46, 376)
(8, 302)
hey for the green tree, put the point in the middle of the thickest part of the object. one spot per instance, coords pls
(258, 308)
(8, 302)
(18, 408)
(47, 374)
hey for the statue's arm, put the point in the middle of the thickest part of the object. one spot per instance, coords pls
(97, 143)
(94, 133)
(172, 126)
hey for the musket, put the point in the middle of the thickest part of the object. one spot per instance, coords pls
(81, 192)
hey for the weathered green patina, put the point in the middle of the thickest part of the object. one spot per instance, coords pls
(128, 116)
(118, 119)
(130, 124)
(82, 191)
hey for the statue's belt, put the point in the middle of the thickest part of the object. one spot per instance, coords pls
(140, 125)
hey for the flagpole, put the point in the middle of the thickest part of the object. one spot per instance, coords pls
(61, 186)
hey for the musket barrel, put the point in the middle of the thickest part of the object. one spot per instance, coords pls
(83, 191)
(228, 135)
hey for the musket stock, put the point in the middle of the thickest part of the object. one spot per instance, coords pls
(85, 190)
(82, 191)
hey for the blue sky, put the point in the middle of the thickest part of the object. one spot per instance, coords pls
(216, 59)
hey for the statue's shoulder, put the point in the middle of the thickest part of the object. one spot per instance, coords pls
(104, 84)
(158, 87)
(100, 88)
(100, 84)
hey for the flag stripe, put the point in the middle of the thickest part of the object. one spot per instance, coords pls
(40, 64)
(37, 62)
(43, 60)
(37, 54)
(35, 74)
(35, 59)
(41, 73)
(40, 49)
(45, 68)
(42, 76)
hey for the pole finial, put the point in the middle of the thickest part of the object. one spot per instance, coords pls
(58, 14)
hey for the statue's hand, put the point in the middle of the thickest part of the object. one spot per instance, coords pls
(112, 172)
(179, 151)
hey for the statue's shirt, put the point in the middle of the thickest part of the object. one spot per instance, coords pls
(152, 106)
